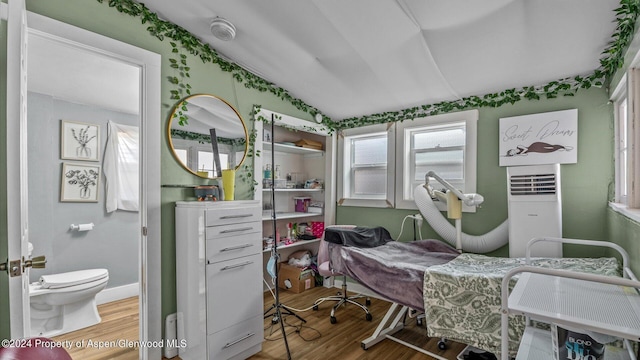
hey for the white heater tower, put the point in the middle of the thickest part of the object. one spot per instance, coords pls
(535, 209)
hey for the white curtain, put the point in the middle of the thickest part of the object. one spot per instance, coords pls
(121, 166)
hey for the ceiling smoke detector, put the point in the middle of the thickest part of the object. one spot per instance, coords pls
(223, 29)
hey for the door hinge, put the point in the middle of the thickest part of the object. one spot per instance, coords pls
(11, 267)
(144, 230)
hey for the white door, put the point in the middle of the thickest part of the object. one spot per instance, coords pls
(16, 168)
(149, 168)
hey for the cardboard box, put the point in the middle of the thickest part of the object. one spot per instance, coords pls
(295, 279)
(311, 144)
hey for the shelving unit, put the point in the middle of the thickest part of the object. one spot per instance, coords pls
(295, 245)
(290, 215)
(291, 149)
(294, 190)
(307, 163)
(602, 304)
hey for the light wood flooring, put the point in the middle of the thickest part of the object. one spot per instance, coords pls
(119, 322)
(317, 339)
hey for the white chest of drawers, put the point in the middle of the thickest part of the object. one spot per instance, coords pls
(219, 279)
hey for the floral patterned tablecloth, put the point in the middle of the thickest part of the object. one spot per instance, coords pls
(462, 297)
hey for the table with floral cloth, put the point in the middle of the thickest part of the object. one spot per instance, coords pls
(462, 297)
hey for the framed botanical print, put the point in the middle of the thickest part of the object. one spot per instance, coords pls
(79, 141)
(80, 182)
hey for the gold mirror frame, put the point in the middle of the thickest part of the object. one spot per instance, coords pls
(207, 111)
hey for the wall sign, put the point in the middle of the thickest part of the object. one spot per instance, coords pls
(545, 138)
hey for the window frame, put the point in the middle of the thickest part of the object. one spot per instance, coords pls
(192, 150)
(403, 154)
(345, 172)
(620, 96)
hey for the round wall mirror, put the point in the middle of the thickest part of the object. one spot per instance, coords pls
(207, 135)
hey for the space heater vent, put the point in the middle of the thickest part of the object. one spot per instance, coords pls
(539, 184)
(535, 209)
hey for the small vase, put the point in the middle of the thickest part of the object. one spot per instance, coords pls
(229, 184)
(85, 193)
(83, 151)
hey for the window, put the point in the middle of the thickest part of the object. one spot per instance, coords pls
(121, 167)
(626, 93)
(626, 97)
(366, 166)
(199, 156)
(621, 162)
(381, 165)
(445, 144)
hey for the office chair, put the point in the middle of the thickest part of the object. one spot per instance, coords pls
(342, 298)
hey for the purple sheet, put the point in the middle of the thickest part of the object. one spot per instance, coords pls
(394, 270)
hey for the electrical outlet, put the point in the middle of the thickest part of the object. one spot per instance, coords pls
(170, 330)
(418, 219)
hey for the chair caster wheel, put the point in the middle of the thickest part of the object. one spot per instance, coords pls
(333, 320)
(367, 302)
(442, 345)
(369, 317)
(315, 307)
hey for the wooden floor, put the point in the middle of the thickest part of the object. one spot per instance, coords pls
(317, 339)
(119, 324)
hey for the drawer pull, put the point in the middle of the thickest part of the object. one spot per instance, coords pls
(236, 266)
(235, 216)
(236, 247)
(235, 230)
(230, 344)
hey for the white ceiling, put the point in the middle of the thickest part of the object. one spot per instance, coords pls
(359, 57)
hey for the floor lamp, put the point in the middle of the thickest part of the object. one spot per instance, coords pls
(278, 308)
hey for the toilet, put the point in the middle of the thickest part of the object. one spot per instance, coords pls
(65, 302)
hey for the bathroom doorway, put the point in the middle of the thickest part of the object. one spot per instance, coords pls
(78, 82)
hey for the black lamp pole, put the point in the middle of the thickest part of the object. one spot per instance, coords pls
(274, 248)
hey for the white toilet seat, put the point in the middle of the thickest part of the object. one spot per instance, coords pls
(36, 289)
(72, 278)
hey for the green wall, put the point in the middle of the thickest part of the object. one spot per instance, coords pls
(585, 185)
(626, 233)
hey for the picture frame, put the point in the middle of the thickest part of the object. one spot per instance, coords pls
(80, 182)
(542, 138)
(79, 141)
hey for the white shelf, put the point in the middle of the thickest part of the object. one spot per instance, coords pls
(605, 308)
(294, 190)
(295, 244)
(536, 344)
(292, 149)
(293, 215)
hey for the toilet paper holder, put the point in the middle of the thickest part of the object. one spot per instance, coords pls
(81, 227)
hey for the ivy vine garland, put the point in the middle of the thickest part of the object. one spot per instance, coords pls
(613, 59)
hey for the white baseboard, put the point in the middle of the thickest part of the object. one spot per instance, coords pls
(117, 293)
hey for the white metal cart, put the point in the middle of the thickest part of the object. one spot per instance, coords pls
(603, 304)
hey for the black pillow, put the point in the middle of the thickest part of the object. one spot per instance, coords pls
(358, 237)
